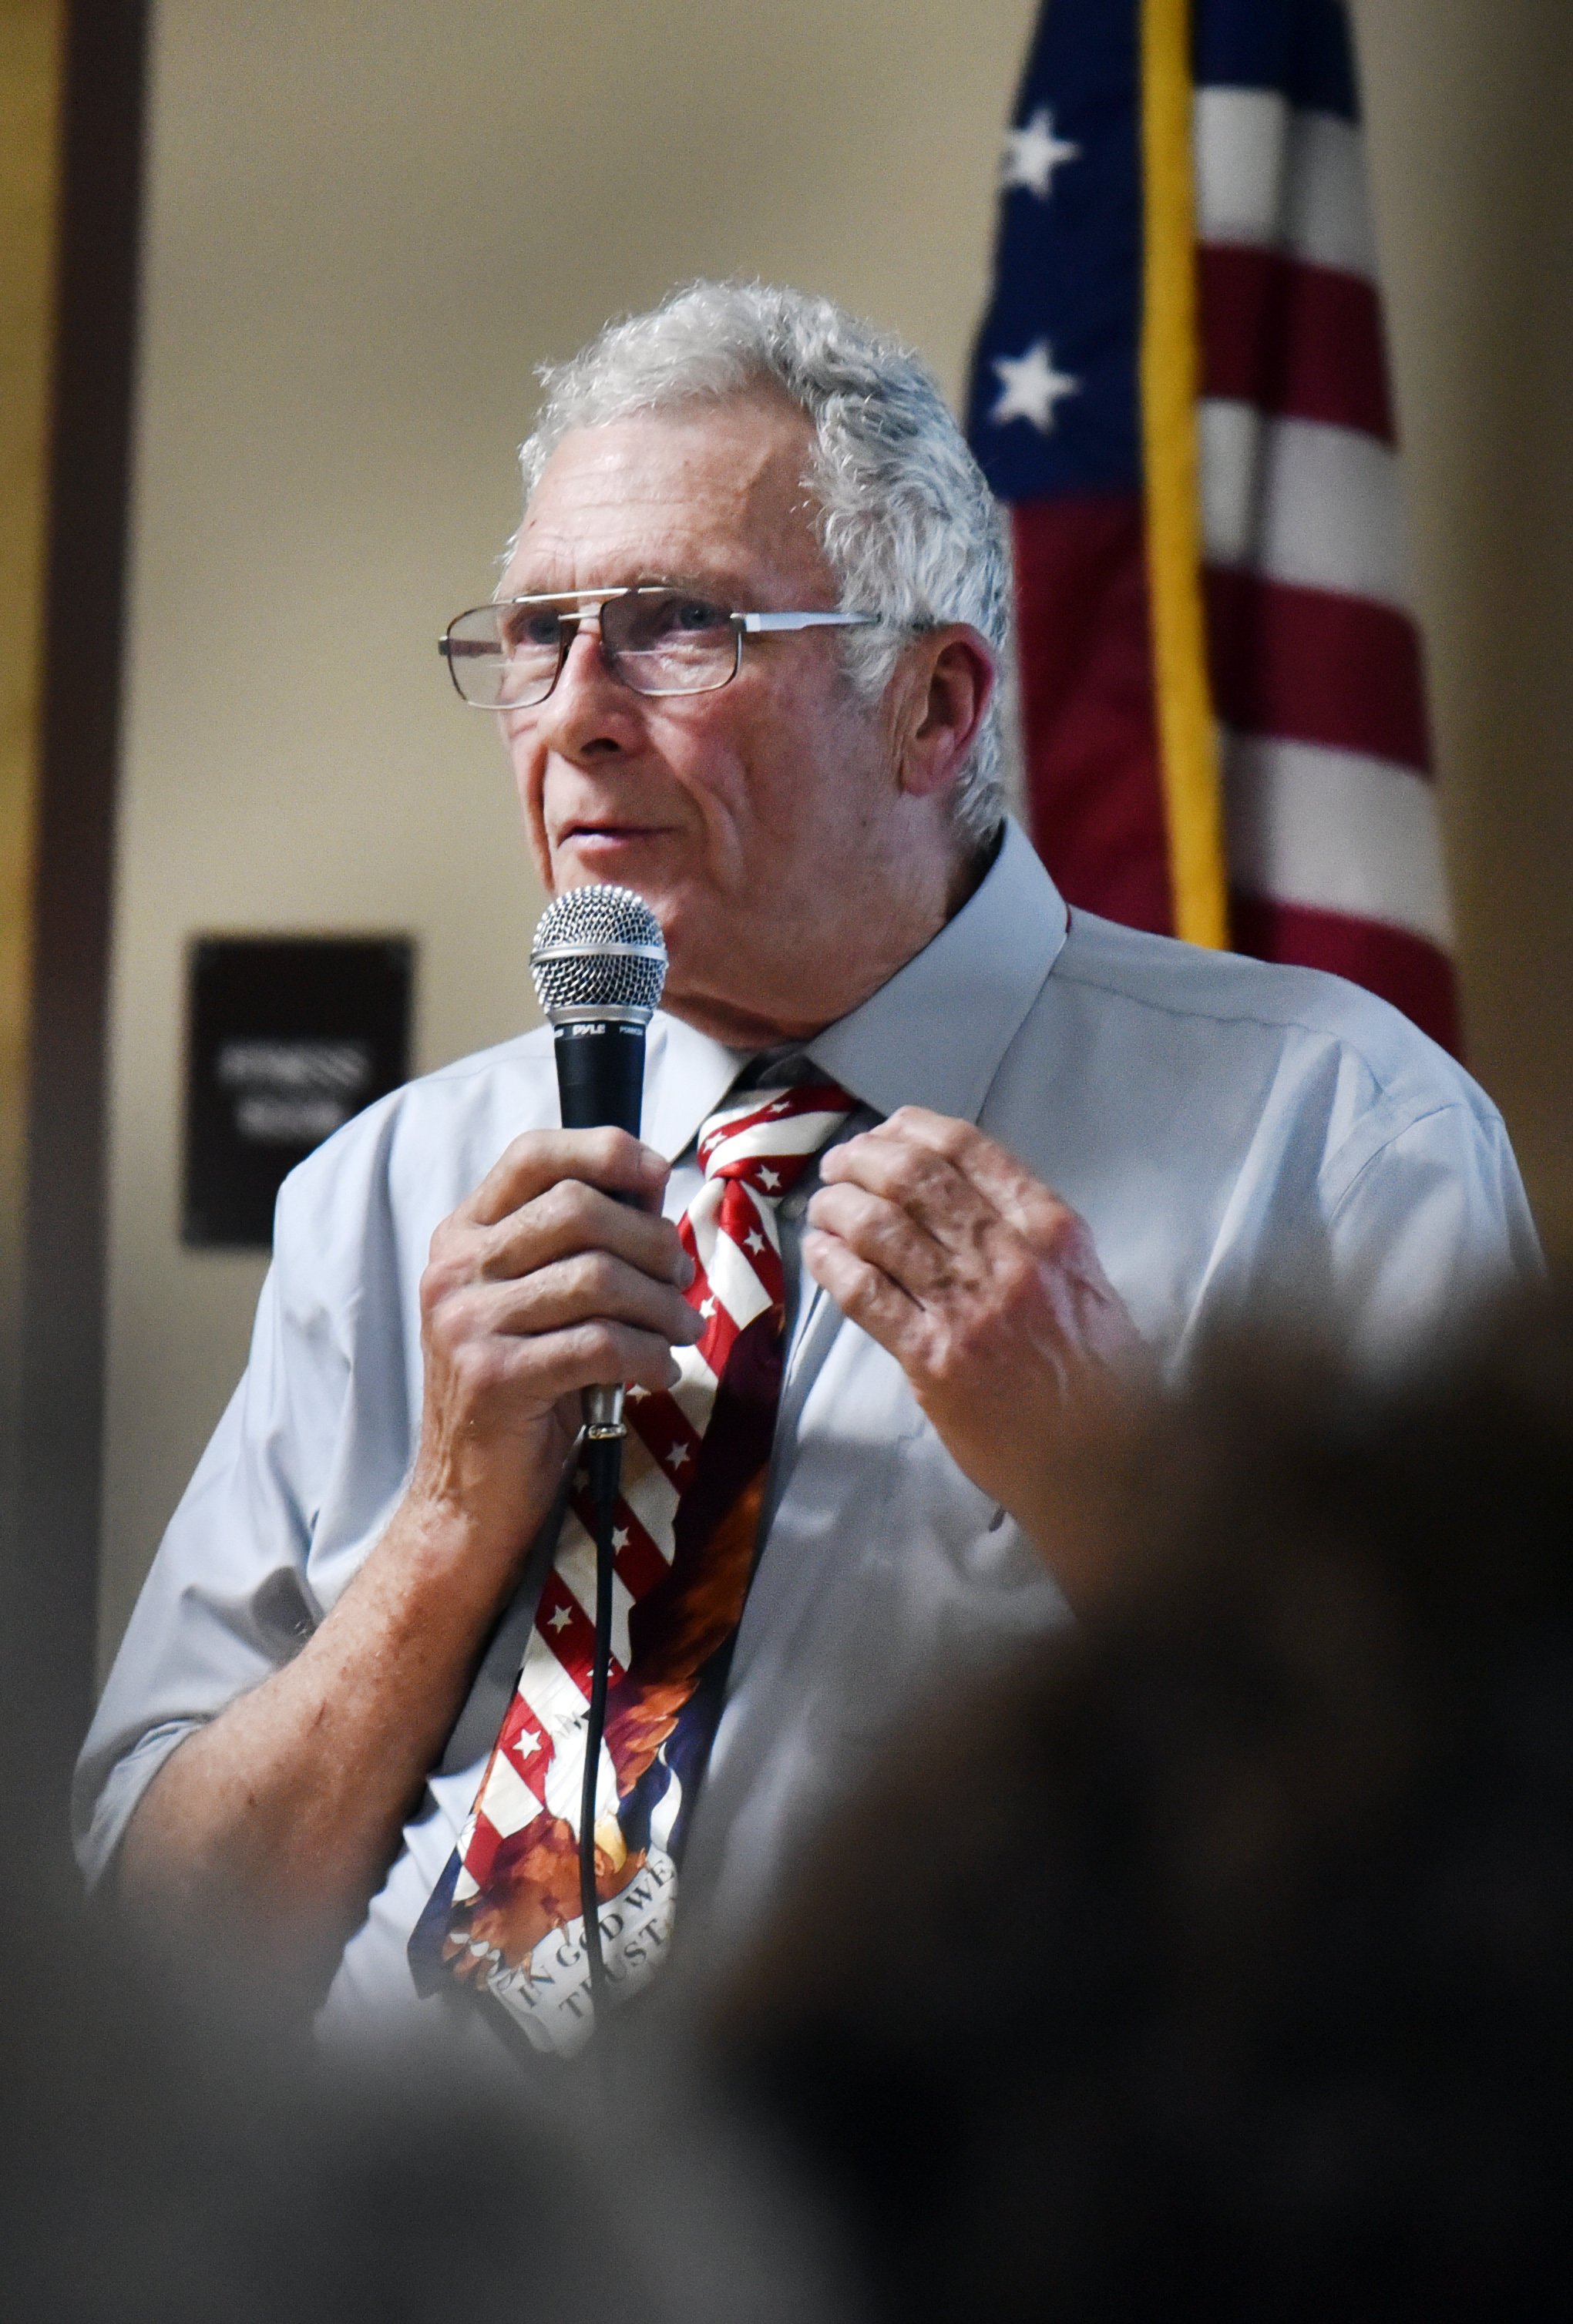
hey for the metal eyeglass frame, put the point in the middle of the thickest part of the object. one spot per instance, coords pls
(587, 606)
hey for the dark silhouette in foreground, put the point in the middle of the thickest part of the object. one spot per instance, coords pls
(1218, 1962)
(1214, 1962)
(183, 2161)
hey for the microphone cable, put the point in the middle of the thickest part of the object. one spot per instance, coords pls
(603, 1464)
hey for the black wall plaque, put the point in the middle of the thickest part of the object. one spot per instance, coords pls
(287, 1037)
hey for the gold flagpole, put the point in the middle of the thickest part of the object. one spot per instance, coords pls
(1187, 733)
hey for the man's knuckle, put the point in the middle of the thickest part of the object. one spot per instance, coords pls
(970, 1338)
(451, 1256)
(614, 1149)
(650, 1362)
(1055, 1229)
(447, 1322)
(600, 1342)
(911, 1169)
(559, 1207)
(935, 1354)
(591, 1277)
(473, 1361)
(1018, 1281)
(546, 1211)
(494, 1251)
(850, 1277)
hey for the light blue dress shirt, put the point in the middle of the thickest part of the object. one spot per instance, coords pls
(1236, 1136)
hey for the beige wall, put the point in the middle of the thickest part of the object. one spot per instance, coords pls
(366, 223)
(1470, 107)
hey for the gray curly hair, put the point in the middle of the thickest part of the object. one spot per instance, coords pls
(907, 523)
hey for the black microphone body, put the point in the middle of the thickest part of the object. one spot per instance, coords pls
(600, 1073)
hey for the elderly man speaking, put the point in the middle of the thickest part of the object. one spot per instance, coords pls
(982, 1153)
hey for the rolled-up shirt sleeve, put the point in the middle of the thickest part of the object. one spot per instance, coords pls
(228, 1599)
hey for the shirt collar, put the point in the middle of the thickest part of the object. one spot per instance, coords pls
(933, 1034)
(686, 1076)
(936, 1033)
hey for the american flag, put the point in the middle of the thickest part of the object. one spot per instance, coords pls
(1180, 388)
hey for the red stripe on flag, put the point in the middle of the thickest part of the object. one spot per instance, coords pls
(569, 1631)
(1095, 794)
(1402, 968)
(1312, 666)
(739, 1222)
(736, 1126)
(1299, 341)
(659, 1423)
(776, 1105)
(521, 1723)
(482, 1852)
(715, 1344)
(639, 1563)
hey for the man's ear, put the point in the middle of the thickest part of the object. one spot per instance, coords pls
(949, 682)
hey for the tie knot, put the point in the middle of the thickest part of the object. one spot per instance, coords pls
(768, 1139)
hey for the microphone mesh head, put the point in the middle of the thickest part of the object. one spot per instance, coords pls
(571, 964)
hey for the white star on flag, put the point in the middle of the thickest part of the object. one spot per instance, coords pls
(706, 1306)
(770, 1180)
(1031, 387)
(527, 1743)
(678, 1455)
(560, 1619)
(637, 1395)
(1032, 154)
(619, 1538)
(754, 1239)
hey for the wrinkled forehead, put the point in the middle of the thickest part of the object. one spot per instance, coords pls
(713, 490)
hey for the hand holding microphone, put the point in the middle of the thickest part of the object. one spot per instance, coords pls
(558, 1276)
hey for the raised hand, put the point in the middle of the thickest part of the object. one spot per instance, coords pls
(984, 1287)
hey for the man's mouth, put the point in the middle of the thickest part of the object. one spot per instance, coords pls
(578, 834)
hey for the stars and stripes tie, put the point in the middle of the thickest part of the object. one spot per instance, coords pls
(505, 1917)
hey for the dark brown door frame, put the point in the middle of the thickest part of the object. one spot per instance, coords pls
(52, 1559)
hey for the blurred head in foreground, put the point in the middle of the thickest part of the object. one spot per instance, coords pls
(176, 2152)
(1220, 1961)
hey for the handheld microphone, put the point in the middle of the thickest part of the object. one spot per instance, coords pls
(600, 964)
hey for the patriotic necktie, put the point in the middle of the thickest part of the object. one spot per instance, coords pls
(505, 1918)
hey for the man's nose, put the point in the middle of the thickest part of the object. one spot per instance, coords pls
(585, 641)
(588, 710)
